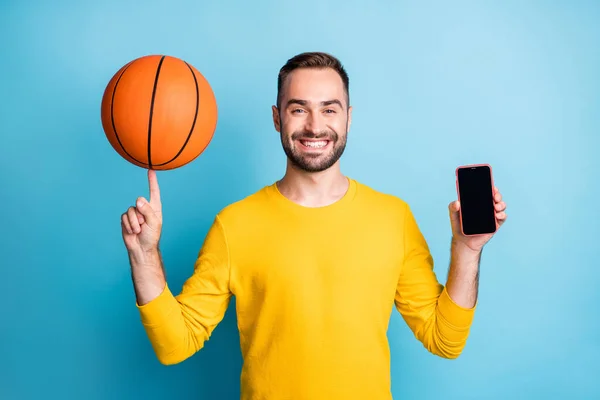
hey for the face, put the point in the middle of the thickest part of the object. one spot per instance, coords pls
(313, 119)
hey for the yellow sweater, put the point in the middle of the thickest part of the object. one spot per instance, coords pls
(314, 290)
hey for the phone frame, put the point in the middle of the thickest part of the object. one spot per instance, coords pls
(469, 166)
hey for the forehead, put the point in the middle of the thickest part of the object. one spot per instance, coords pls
(314, 85)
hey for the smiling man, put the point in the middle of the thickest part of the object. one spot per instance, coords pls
(316, 261)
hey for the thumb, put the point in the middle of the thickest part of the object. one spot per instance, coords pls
(455, 205)
(454, 208)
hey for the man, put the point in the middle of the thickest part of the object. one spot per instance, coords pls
(316, 262)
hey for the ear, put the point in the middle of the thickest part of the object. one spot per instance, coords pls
(349, 117)
(276, 120)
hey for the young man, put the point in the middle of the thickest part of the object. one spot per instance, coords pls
(316, 262)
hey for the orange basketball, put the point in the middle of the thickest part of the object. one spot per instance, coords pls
(158, 112)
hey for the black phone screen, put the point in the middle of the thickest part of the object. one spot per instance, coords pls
(476, 200)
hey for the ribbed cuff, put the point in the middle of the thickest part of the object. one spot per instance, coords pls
(454, 314)
(157, 311)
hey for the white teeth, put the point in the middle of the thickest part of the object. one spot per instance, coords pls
(315, 144)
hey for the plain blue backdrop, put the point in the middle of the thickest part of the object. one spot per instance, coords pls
(434, 85)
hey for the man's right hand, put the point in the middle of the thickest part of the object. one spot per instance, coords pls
(141, 224)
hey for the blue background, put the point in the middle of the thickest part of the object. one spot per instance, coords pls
(434, 85)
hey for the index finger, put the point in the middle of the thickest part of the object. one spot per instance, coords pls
(497, 195)
(154, 190)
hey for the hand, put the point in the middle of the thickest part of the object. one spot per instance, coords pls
(476, 242)
(141, 225)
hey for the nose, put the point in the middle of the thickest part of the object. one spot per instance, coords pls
(314, 123)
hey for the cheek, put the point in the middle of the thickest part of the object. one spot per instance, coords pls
(289, 127)
(339, 125)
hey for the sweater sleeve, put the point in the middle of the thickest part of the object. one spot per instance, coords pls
(441, 325)
(178, 326)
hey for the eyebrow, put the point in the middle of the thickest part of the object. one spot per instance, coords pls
(323, 103)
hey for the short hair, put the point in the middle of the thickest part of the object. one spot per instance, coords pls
(317, 60)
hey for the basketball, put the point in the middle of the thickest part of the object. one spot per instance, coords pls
(159, 112)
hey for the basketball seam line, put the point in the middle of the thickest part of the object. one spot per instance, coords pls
(193, 123)
(151, 112)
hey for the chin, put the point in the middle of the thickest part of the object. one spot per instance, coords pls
(313, 164)
(313, 155)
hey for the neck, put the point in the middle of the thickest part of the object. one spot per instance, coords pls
(313, 189)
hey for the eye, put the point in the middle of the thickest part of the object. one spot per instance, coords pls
(297, 110)
(330, 111)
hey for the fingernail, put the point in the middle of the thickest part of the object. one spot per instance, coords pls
(140, 203)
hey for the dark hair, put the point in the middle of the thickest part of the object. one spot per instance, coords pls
(317, 60)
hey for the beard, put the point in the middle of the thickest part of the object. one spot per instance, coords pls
(313, 162)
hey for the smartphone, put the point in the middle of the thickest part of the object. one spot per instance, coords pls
(475, 190)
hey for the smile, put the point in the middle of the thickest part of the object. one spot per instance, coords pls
(314, 144)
